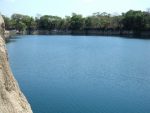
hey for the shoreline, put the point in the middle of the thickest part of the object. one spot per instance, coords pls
(123, 34)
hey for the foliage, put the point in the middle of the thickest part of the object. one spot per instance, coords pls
(135, 21)
(76, 22)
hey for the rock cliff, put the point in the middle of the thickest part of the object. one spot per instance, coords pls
(12, 99)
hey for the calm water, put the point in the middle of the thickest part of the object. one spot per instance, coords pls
(82, 74)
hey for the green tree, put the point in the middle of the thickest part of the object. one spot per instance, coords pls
(134, 21)
(116, 23)
(76, 22)
(7, 22)
(147, 20)
(48, 22)
(21, 26)
(18, 23)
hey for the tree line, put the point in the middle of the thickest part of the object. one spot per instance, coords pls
(135, 21)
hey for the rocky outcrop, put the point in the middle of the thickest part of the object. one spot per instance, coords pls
(12, 99)
(2, 26)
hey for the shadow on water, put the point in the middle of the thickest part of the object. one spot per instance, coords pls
(10, 40)
(135, 37)
(13, 39)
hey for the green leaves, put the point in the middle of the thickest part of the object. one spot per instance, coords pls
(136, 21)
(76, 22)
(48, 22)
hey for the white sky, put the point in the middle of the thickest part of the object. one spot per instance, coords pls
(67, 7)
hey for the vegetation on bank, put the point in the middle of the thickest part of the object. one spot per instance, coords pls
(131, 21)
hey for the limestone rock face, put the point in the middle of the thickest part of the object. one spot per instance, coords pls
(2, 26)
(12, 99)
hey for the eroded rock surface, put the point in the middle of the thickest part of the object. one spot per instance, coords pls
(12, 99)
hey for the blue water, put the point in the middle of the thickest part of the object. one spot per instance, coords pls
(82, 74)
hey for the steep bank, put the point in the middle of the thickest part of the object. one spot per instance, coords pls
(11, 98)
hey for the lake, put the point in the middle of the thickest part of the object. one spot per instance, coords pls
(82, 74)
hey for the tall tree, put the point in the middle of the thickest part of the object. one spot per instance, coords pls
(76, 22)
(134, 20)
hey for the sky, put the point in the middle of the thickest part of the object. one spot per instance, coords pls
(67, 7)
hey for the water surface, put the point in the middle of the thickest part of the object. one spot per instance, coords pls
(82, 74)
